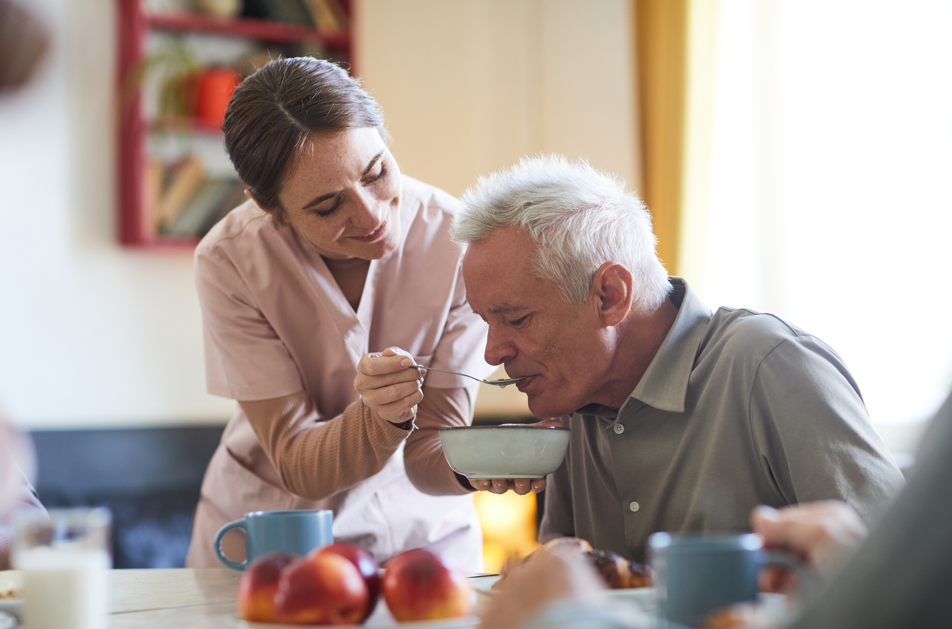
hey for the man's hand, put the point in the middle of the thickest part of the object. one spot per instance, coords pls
(521, 486)
(821, 533)
(388, 386)
(542, 578)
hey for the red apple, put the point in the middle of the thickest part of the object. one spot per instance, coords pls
(259, 584)
(365, 564)
(417, 585)
(323, 589)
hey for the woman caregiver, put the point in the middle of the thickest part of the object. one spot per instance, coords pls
(315, 294)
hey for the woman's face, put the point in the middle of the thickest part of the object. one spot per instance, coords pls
(343, 195)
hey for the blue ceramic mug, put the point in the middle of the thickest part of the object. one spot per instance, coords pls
(296, 532)
(694, 575)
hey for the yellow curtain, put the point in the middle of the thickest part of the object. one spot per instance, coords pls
(675, 47)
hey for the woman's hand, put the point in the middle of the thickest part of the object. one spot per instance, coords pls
(388, 386)
(521, 486)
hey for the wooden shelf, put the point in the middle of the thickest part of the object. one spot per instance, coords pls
(247, 27)
(181, 125)
(135, 224)
(165, 243)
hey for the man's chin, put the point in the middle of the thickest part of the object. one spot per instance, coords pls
(548, 409)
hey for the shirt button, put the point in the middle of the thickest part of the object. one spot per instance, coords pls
(619, 429)
(634, 506)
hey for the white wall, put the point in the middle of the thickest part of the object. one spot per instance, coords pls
(92, 334)
(471, 86)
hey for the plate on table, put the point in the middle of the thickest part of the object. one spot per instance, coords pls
(11, 581)
(774, 605)
(642, 596)
(382, 618)
(9, 612)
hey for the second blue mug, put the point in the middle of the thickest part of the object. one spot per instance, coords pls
(694, 574)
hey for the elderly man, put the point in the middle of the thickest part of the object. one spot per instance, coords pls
(898, 577)
(682, 419)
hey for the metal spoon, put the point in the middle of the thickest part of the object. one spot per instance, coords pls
(504, 382)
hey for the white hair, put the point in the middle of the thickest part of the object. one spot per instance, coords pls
(579, 219)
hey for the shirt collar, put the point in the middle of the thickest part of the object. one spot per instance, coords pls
(665, 383)
(597, 410)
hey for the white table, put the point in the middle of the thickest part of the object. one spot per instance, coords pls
(187, 598)
(184, 598)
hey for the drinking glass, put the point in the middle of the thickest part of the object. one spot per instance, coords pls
(65, 561)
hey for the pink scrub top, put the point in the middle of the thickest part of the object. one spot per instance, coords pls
(276, 323)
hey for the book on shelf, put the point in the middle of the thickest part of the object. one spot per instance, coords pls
(151, 189)
(237, 197)
(214, 198)
(287, 11)
(181, 181)
(301, 12)
(328, 15)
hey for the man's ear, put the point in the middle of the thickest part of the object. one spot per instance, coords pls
(612, 287)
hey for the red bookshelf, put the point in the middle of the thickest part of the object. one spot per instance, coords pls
(247, 27)
(136, 228)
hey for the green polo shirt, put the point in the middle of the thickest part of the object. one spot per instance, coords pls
(736, 409)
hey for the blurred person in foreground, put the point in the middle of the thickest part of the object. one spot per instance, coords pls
(900, 576)
(17, 495)
(316, 295)
(23, 43)
(682, 419)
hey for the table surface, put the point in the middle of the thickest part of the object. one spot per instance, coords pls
(183, 597)
(187, 598)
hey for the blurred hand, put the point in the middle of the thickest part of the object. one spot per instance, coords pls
(10, 477)
(521, 486)
(17, 466)
(543, 577)
(388, 386)
(821, 533)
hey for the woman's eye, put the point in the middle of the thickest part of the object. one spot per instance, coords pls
(328, 211)
(377, 177)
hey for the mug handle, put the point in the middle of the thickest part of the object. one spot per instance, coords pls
(237, 524)
(788, 560)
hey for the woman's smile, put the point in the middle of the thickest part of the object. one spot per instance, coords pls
(375, 234)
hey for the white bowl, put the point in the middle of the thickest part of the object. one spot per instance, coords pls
(508, 451)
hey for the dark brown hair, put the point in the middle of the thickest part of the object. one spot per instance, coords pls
(275, 110)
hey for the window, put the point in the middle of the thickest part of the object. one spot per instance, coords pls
(831, 193)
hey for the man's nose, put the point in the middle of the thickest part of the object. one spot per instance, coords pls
(499, 348)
